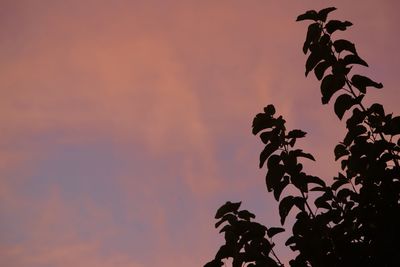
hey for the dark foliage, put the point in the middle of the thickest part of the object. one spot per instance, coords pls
(354, 221)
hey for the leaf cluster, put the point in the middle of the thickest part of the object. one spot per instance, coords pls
(354, 221)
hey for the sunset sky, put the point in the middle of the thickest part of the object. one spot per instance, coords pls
(124, 125)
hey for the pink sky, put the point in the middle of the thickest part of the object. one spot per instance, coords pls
(125, 124)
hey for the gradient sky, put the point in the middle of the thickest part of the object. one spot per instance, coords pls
(125, 124)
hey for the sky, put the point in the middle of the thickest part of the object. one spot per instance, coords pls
(124, 125)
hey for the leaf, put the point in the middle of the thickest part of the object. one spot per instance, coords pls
(285, 206)
(296, 134)
(354, 59)
(342, 104)
(226, 208)
(315, 180)
(280, 186)
(309, 15)
(299, 181)
(377, 108)
(355, 119)
(330, 85)
(299, 202)
(341, 45)
(246, 215)
(300, 153)
(269, 110)
(266, 136)
(274, 176)
(225, 251)
(320, 69)
(340, 151)
(340, 180)
(353, 133)
(291, 240)
(321, 202)
(262, 121)
(313, 34)
(334, 25)
(323, 13)
(362, 82)
(274, 231)
(267, 151)
(393, 127)
(313, 59)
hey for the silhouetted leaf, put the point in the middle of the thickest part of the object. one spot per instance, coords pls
(340, 180)
(267, 151)
(334, 25)
(378, 109)
(291, 240)
(269, 110)
(362, 82)
(299, 181)
(355, 119)
(342, 104)
(300, 153)
(262, 121)
(309, 15)
(315, 180)
(225, 251)
(226, 208)
(320, 69)
(313, 34)
(246, 215)
(323, 13)
(330, 85)
(321, 202)
(280, 186)
(274, 176)
(296, 134)
(354, 59)
(393, 127)
(341, 45)
(353, 133)
(274, 230)
(266, 136)
(312, 61)
(285, 206)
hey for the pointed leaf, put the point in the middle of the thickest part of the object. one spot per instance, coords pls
(226, 208)
(354, 59)
(296, 134)
(323, 13)
(246, 215)
(334, 25)
(340, 151)
(362, 82)
(330, 85)
(274, 176)
(285, 206)
(267, 151)
(313, 59)
(342, 104)
(313, 34)
(309, 15)
(341, 45)
(274, 230)
(315, 180)
(320, 69)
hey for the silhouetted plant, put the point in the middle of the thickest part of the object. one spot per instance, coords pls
(355, 221)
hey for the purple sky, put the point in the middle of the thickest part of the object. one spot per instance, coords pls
(126, 124)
